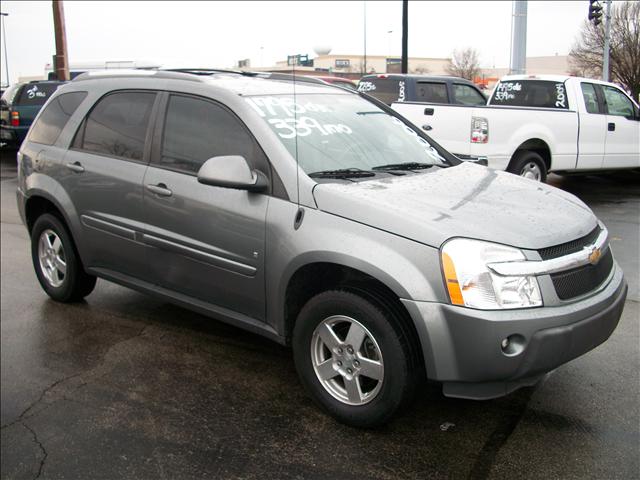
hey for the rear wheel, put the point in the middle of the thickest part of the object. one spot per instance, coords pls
(352, 358)
(529, 165)
(57, 265)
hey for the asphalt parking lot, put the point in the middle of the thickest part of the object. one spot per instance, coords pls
(126, 386)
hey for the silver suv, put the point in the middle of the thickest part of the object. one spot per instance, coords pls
(319, 218)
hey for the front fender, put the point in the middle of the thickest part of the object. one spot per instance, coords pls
(410, 269)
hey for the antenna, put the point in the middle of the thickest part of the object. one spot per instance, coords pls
(295, 126)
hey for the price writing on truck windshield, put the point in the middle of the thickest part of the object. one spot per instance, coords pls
(507, 91)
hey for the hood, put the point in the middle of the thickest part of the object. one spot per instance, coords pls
(462, 201)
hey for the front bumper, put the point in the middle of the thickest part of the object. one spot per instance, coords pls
(462, 346)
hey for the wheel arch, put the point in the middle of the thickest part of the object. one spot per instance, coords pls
(313, 278)
(537, 145)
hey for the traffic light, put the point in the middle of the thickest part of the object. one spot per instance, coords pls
(595, 12)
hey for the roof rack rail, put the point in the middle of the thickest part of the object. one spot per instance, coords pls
(209, 71)
(133, 73)
(290, 77)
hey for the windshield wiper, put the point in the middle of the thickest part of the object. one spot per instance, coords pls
(405, 166)
(343, 173)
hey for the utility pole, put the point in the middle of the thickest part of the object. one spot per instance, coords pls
(405, 36)
(607, 39)
(519, 38)
(61, 61)
(4, 40)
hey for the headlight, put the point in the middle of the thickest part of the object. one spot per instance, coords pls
(472, 284)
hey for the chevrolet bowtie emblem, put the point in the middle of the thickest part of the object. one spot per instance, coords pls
(594, 255)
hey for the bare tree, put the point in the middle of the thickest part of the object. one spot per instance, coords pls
(624, 50)
(464, 63)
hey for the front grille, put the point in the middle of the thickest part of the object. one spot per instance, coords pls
(569, 247)
(581, 280)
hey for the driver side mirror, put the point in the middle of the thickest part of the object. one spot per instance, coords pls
(232, 171)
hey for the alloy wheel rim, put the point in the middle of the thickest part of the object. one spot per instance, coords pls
(347, 360)
(53, 261)
(532, 171)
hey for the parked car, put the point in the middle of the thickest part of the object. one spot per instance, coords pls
(536, 124)
(320, 219)
(19, 105)
(391, 88)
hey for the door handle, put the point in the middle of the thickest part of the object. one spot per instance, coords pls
(611, 127)
(160, 189)
(427, 127)
(428, 111)
(75, 167)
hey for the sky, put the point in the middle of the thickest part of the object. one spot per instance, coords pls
(218, 34)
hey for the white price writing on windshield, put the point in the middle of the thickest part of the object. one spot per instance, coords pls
(304, 126)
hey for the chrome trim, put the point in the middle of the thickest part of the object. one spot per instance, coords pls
(553, 265)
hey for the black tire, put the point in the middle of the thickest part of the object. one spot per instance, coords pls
(76, 283)
(399, 377)
(525, 159)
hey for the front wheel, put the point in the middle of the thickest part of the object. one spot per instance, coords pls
(529, 165)
(352, 358)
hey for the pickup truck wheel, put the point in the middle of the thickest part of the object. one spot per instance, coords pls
(56, 262)
(352, 358)
(530, 165)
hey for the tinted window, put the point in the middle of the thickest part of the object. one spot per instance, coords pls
(196, 130)
(386, 90)
(617, 102)
(467, 95)
(590, 98)
(432, 92)
(36, 93)
(55, 116)
(531, 93)
(118, 123)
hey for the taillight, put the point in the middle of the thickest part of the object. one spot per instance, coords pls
(15, 119)
(479, 130)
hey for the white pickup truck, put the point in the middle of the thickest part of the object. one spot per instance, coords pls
(530, 125)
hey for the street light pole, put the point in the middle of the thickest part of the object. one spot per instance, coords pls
(4, 40)
(364, 64)
(607, 40)
(405, 36)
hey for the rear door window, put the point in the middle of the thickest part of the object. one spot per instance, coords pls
(467, 95)
(196, 130)
(36, 93)
(387, 90)
(531, 93)
(117, 125)
(432, 92)
(54, 117)
(590, 98)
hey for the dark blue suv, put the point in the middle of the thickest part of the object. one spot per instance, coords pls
(19, 106)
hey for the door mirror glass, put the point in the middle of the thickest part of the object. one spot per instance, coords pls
(232, 171)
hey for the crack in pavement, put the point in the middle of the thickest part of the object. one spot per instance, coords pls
(60, 381)
(42, 449)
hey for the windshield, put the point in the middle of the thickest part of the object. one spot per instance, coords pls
(336, 132)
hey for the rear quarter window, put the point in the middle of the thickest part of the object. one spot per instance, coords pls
(387, 90)
(36, 93)
(531, 93)
(54, 117)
